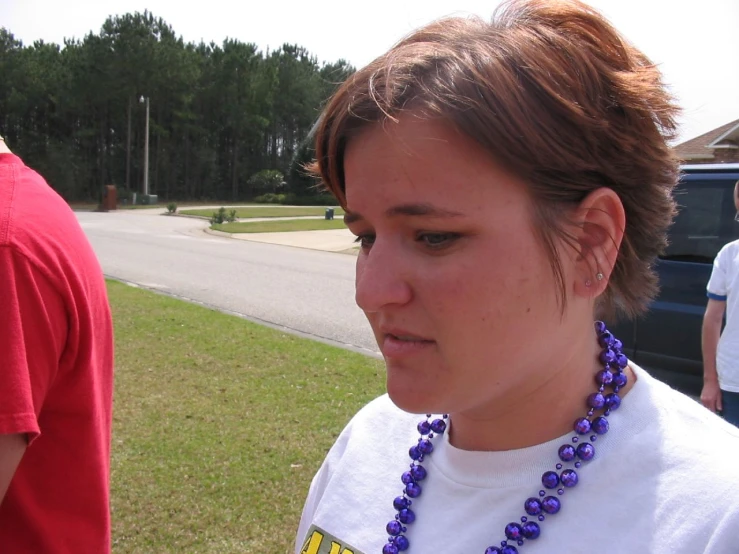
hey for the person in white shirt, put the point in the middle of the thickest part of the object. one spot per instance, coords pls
(510, 183)
(721, 349)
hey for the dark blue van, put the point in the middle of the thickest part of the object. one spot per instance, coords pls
(667, 340)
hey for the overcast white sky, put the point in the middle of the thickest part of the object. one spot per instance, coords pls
(695, 42)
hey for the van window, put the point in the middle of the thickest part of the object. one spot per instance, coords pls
(705, 221)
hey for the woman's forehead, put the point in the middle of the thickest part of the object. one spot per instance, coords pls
(422, 169)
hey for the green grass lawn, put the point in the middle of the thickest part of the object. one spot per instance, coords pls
(279, 226)
(219, 425)
(268, 211)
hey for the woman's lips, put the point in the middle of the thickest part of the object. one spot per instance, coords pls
(403, 345)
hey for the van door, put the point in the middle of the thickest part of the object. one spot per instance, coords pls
(668, 338)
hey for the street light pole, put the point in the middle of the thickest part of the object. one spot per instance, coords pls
(146, 152)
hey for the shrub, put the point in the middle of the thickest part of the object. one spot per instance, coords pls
(221, 216)
(171, 208)
(218, 217)
(315, 200)
(266, 181)
(270, 198)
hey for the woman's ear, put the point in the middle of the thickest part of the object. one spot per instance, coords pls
(600, 222)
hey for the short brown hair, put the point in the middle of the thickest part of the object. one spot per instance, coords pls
(557, 96)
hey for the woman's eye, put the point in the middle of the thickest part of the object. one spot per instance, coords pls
(437, 240)
(365, 241)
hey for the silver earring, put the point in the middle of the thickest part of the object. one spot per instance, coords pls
(599, 276)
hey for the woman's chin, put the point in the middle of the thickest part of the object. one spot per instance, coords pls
(411, 399)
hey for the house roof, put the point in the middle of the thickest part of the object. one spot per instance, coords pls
(700, 148)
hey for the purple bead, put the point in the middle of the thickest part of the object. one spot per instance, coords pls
(559, 466)
(607, 357)
(424, 427)
(418, 473)
(413, 490)
(407, 478)
(586, 451)
(600, 327)
(569, 477)
(600, 425)
(394, 527)
(542, 493)
(519, 542)
(508, 549)
(622, 361)
(578, 465)
(620, 380)
(560, 492)
(415, 453)
(541, 518)
(401, 543)
(575, 439)
(613, 401)
(406, 516)
(531, 530)
(400, 503)
(492, 550)
(551, 504)
(513, 531)
(550, 480)
(605, 339)
(617, 345)
(425, 446)
(438, 426)
(596, 401)
(582, 426)
(593, 438)
(566, 452)
(389, 549)
(604, 377)
(532, 506)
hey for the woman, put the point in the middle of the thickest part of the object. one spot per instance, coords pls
(509, 182)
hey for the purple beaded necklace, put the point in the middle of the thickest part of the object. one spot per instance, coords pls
(612, 375)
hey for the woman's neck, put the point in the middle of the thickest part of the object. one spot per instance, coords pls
(544, 411)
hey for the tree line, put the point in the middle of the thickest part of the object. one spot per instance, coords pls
(219, 114)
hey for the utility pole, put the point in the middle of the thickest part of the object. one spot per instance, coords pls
(146, 151)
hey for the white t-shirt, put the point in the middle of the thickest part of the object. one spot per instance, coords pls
(665, 480)
(724, 285)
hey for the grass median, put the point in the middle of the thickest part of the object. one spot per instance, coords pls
(267, 211)
(219, 425)
(280, 226)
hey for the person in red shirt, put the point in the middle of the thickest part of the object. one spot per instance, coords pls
(56, 374)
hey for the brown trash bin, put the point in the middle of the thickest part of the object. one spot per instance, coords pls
(110, 198)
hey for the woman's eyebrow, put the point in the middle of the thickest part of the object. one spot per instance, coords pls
(421, 209)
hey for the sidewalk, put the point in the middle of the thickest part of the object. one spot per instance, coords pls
(332, 240)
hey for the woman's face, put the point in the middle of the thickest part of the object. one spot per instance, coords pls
(457, 288)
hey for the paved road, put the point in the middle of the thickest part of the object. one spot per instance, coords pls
(305, 291)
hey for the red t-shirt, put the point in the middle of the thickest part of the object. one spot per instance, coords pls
(56, 372)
